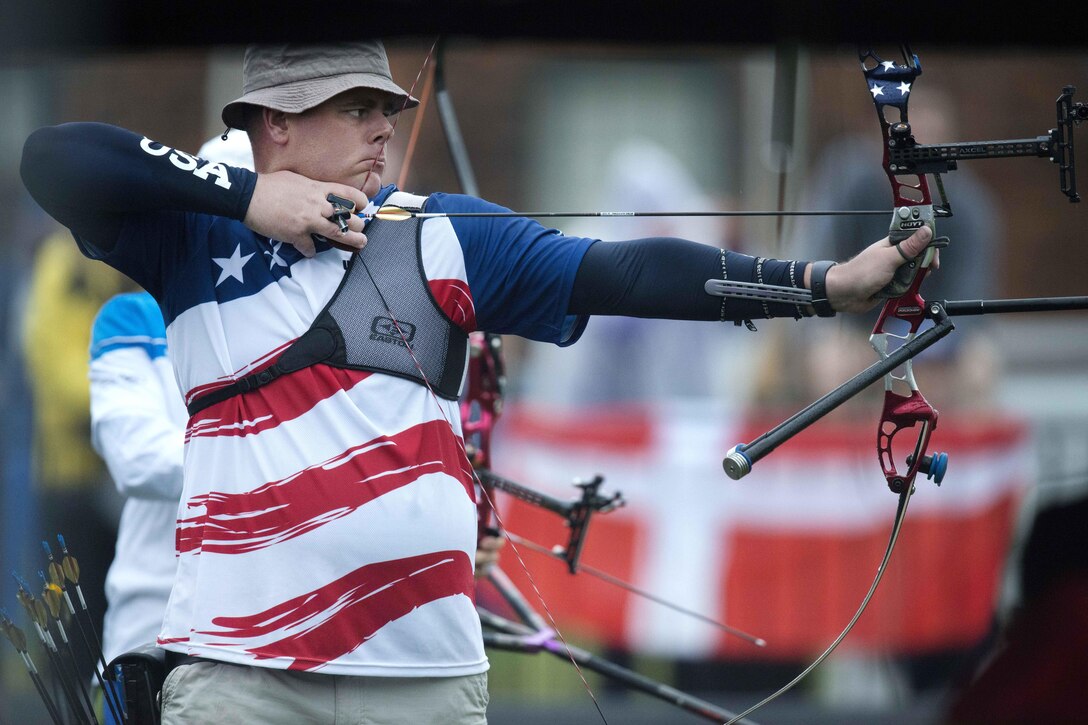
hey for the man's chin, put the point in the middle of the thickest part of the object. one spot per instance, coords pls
(371, 185)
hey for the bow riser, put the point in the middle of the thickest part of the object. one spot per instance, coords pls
(890, 85)
(900, 411)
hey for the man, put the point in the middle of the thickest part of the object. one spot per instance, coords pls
(327, 524)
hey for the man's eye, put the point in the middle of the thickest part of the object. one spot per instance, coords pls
(359, 112)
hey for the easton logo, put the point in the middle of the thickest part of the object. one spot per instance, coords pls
(384, 329)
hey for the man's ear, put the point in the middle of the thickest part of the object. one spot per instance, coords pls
(275, 125)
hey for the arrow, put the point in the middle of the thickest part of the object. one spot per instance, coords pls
(396, 214)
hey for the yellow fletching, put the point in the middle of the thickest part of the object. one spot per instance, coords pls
(392, 214)
(56, 576)
(52, 596)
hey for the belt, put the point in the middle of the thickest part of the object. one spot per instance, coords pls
(177, 659)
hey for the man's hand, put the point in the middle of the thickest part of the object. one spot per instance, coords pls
(852, 285)
(289, 207)
(487, 554)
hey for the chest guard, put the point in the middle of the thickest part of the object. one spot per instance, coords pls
(356, 330)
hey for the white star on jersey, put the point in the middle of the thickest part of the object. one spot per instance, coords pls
(904, 88)
(877, 90)
(274, 256)
(232, 265)
(888, 65)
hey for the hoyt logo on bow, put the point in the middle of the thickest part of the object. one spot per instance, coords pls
(386, 329)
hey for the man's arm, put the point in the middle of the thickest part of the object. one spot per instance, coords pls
(664, 278)
(92, 177)
(132, 427)
(541, 284)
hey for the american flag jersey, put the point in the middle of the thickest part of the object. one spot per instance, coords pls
(328, 519)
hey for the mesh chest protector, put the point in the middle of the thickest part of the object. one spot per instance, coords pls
(357, 330)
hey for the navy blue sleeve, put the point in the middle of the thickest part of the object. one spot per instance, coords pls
(665, 278)
(98, 180)
(520, 272)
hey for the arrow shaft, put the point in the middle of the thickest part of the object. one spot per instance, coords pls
(398, 214)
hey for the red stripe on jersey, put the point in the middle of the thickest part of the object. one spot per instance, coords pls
(281, 510)
(342, 615)
(254, 367)
(285, 398)
(455, 299)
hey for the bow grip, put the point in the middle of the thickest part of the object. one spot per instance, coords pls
(906, 220)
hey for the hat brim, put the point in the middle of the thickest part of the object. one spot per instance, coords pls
(306, 94)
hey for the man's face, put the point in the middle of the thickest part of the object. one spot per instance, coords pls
(343, 139)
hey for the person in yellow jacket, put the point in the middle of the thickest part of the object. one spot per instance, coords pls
(74, 495)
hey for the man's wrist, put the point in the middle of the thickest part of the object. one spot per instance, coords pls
(816, 275)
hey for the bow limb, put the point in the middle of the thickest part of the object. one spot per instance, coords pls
(900, 514)
(481, 407)
(787, 64)
(455, 142)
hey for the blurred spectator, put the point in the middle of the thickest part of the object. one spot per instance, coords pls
(1036, 671)
(74, 497)
(19, 548)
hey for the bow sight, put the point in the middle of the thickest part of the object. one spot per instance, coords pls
(906, 156)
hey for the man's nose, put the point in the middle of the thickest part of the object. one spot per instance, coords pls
(382, 132)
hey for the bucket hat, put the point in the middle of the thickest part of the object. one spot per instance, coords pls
(295, 78)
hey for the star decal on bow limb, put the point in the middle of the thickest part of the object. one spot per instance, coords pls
(232, 266)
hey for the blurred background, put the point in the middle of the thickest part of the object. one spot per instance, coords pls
(786, 554)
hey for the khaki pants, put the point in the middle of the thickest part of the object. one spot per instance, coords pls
(217, 692)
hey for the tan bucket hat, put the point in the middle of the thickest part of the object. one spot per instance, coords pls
(295, 78)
